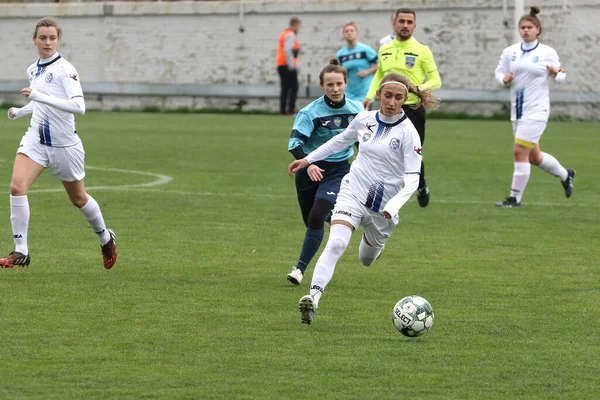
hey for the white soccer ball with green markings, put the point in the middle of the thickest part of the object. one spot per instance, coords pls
(413, 316)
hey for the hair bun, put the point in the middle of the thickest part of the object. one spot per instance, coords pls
(334, 61)
(534, 11)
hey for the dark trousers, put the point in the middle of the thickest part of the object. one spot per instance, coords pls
(417, 117)
(289, 89)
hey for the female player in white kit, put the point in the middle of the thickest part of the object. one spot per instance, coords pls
(528, 67)
(381, 180)
(51, 142)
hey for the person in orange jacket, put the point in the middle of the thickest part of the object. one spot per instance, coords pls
(287, 61)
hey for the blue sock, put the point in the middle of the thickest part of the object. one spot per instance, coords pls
(312, 242)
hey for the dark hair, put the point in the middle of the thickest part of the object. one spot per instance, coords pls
(405, 10)
(532, 17)
(294, 21)
(426, 98)
(334, 66)
(47, 22)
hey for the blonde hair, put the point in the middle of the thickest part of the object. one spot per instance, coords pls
(351, 23)
(48, 22)
(426, 98)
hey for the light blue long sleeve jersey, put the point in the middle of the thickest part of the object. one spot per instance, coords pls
(321, 120)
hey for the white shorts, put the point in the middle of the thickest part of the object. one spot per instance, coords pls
(66, 163)
(377, 229)
(528, 132)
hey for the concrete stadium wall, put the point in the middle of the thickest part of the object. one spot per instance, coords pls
(202, 43)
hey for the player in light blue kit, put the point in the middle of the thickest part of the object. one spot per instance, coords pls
(317, 186)
(361, 62)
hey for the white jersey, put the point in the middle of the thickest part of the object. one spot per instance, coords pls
(50, 125)
(529, 90)
(386, 39)
(387, 153)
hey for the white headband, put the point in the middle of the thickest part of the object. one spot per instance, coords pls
(394, 82)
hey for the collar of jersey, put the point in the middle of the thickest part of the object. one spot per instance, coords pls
(528, 50)
(403, 42)
(334, 104)
(47, 61)
(394, 119)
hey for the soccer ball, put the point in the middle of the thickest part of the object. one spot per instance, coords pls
(412, 316)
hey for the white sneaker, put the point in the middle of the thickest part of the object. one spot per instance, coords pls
(295, 277)
(306, 305)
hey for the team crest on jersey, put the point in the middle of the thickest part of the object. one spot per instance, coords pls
(535, 59)
(366, 137)
(395, 144)
(514, 56)
(337, 121)
(49, 77)
(410, 62)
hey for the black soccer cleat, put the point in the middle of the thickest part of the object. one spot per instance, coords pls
(15, 258)
(109, 251)
(423, 196)
(568, 183)
(510, 202)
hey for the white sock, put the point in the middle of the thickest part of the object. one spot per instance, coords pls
(19, 219)
(368, 254)
(552, 166)
(339, 237)
(93, 215)
(520, 179)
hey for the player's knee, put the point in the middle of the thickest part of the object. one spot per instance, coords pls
(79, 200)
(315, 221)
(336, 246)
(367, 254)
(521, 153)
(17, 189)
(535, 158)
(318, 214)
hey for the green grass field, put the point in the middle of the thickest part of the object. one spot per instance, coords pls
(198, 306)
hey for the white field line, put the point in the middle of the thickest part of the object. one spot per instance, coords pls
(163, 179)
(160, 180)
